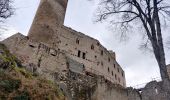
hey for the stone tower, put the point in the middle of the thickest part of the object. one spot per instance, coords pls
(49, 16)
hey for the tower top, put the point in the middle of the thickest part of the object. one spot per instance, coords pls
(63, 3)
(50, 14)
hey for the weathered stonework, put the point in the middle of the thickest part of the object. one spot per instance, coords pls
(70, 75)
(79, 64)
(48, 29)
(156, 91)
(168, 69)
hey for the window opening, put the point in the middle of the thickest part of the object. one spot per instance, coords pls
(122, 74)
(115, 76)
(77, 41)
(119, 80)
(101, 63)
(92, 47)
(79, 52)
(84, 55)
(118, 69)
(102, 52)
(108, 69)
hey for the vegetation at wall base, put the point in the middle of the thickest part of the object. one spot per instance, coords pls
(18, 84)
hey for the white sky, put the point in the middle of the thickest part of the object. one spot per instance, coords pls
(139, 67)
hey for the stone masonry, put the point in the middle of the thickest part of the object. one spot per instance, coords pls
(168, 69)
(48, 29)
(79, 64)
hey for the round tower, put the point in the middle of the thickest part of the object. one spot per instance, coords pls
(50, 14)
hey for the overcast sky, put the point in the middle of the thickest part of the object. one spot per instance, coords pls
(140, 67)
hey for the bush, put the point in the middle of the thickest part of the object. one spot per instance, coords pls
(9, 85)
(7, 60)
(23, 96)
(24, 72)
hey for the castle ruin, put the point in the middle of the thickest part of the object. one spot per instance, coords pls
(48, 29)
(79, 64)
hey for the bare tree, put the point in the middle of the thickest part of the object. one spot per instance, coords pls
(6, 9)
(148, 13)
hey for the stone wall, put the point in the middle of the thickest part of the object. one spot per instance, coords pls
(36, 56)
(76, 82)
(70, 75)
(156, 91)
(168, 69)
(79, 64)
(48, 29)
(94, 87)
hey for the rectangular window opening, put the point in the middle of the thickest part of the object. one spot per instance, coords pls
(102, 52)
(84, 55)
(79, 52)
(118, 69)
(122, 74)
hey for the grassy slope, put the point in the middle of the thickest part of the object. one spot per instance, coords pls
(18, 84)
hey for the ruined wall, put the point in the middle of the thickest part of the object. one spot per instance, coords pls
(156, 91)
(168, 69)
(48, 28)
(97, 59)
(69, 74)
(36, 56)
(94, 87)
(108, 91)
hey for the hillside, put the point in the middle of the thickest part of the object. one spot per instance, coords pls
(18, 84)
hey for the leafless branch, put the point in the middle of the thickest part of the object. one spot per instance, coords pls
(148, 12)
(6, 9)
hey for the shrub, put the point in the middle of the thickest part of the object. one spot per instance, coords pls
(24, 95)
(9, 85)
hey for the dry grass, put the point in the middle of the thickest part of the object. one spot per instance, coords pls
(18, 84)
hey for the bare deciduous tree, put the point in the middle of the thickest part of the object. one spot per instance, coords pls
(148, 13)
(6, 9)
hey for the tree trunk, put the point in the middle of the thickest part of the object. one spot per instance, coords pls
(160, 58)
(161, 53)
